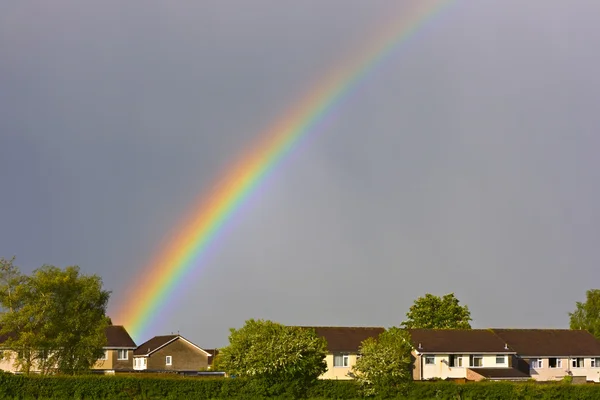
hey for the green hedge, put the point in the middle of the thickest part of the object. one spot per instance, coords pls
(169, 387)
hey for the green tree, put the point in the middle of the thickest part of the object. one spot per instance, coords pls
(385, 366)
(587, 314)
(57, 320)
(434, 312)
(10, 279)
(277, 353)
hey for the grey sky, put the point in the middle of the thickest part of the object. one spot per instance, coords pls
(467, 163)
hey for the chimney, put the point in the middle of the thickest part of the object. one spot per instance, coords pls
(505, 346)
(420, 347)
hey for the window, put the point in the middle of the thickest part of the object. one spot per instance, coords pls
(476, 360)
(122, 355)
(340, 360)
(455, 361)
(595, 362)
(500, 359)
(577, 362)
(429, 360)
(554, 362)
(169, 360)
(536, 363)
(139, 363)
(104, 355)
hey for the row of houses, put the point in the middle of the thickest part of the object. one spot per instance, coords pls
(476, 354)
(168, 353)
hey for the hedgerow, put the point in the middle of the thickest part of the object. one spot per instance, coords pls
(172, 387)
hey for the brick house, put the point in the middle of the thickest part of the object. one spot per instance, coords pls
(118, 352)
(170, 353)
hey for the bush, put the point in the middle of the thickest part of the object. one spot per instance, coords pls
(140, 387)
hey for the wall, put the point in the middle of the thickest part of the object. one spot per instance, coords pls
(441, 368)
(339, 372)
(105, 364)
(185, 356)
(7, 362)
(416, 361)
(112, 363)
(122, 364)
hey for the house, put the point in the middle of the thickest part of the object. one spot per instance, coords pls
(343, 345)
(552, 354)
(170, 353)
(460, 354)
(7, 355)
(212, 355)
(118, 352)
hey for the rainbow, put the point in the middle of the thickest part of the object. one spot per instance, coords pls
(183, 253)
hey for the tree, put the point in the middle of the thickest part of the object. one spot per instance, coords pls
(587, 315)
(274, 352)
(385, 365)
(434, 312)
(57, 320)
(10, 279)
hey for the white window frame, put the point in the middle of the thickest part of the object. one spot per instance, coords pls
(503, 362)
(574, 362)
(104, 356)
(457, 361)
(558, 363)
(536, 363)
(345, 360)
(168, 360)
(472, 359)
(595, 362)
(429, 360)
(119, 352)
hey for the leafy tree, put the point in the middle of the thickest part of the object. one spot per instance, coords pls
(434, 312)
(56, 320)
(274, 352)
(587, 315)
(10, 279)
(385, 365)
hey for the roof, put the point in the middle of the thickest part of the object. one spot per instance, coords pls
(117, 336)
(457, 341)
(158, 342)
(550, 342)
(345, 339)
(501, 373)
(212, 354)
